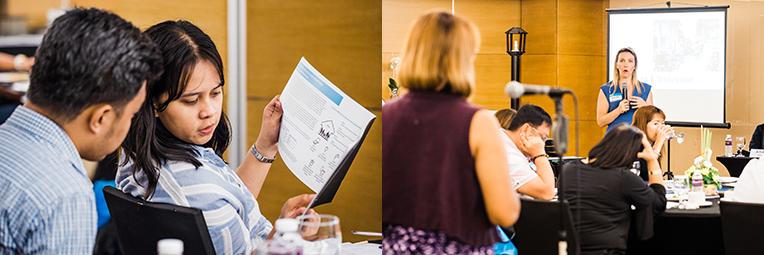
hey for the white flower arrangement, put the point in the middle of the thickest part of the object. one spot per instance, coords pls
(702, 163)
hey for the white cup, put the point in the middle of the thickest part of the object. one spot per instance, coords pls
(696, 197)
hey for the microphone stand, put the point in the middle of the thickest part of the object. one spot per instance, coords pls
(560, 133)
(669, 175)
(560, 130)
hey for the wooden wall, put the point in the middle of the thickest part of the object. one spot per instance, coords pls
(210, 16)
(565, 47)
(342, 40)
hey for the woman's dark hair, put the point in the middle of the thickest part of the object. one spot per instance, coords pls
(149, 144)
(618, 149)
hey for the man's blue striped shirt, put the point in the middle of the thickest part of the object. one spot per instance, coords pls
(46, 201)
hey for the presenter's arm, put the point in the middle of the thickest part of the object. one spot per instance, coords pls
(501, 201)
(650, 98)
(603, 116)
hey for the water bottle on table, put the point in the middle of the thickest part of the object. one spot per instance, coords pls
(697, 182)
(728, 146)
(286, 241)
(696, 196)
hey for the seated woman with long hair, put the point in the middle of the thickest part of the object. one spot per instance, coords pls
(173, 152)
(602, 191)
(651, 120)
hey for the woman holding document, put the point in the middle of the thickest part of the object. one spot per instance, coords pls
(619, 98)
(173, 152)
(445, 176)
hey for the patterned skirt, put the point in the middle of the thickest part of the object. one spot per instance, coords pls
(408, 240)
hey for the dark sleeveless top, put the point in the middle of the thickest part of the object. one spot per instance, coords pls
(428, 172)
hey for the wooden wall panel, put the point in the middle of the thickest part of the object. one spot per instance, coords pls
(583, 75)
(343, 45)
(209, 16)
(491, 75)
(493, 18)
(33, 10)
(386, 73)
(398, 15)
(539, 19)
(565, 40)
(340, 44)
(539, 69)
(580, 27)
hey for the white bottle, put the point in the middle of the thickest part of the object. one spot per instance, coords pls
(728, 146)
(287, 239)
(170, 247)
(697, 182)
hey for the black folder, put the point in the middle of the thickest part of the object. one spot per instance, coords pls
(327, 192)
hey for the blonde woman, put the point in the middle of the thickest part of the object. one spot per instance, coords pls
(445, 176)
(619, 98)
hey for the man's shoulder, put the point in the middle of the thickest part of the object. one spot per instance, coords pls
(39, 182)
(39, 197)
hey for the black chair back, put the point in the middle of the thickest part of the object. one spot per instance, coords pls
(537, 231)
(741, 226)
(141, 224)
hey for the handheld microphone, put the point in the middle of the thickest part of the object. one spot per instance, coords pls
(515, 89)
(624, 91)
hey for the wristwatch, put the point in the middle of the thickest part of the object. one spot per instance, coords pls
(260, 157)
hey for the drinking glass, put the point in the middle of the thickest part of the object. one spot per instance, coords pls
(678, 136)
(681, 187)
(740, 145)
(322, 234)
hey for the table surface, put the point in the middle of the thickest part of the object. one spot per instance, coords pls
(703, 212)
(734, 165)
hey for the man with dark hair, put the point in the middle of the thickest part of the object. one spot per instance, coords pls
(87, 82)
(529, 167)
